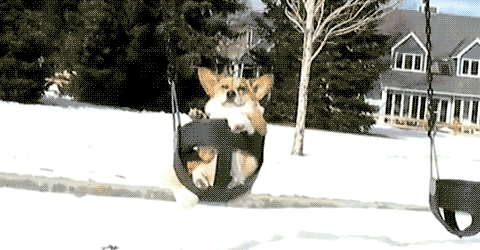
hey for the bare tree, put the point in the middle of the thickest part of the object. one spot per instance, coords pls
(320, 21)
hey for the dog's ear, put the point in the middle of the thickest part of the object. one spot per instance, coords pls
(208, 80)
(261, 86)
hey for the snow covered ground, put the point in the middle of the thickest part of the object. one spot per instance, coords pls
(87, 142)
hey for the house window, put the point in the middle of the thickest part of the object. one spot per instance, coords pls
(456, 112)
(475, 112)
(388, 108)
(470, 67)
(423, 104)
(406, 102)
(248, 72)
(443, 111)
(415, 107)
(418, 62)
(409, 61)
(465, 67)
(398, 101)
(399, 62)
(466, 105)
(474, 68)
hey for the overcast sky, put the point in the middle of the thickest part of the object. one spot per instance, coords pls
(456, 7)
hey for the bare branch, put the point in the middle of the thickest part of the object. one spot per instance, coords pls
(332, 16)
(321, 6)
(373, 15)
(320, 48)
(294, 6)
(336, 15)
(295, 16)
(352, 18)
(352, 22)
(298, 26)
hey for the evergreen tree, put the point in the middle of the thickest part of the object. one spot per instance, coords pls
(189, 39)
(124, 51)
(341, 76)
(27, 33)
(151, 42)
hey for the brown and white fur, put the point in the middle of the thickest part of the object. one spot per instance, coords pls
(237, 100)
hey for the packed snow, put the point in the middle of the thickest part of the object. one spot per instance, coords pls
(64, 138)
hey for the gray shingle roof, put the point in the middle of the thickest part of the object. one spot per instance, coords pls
(441, 83)
(450, 33)
(465, 42)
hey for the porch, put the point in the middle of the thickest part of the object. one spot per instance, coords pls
(409, 108)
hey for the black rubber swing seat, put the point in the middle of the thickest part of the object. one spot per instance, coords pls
(456, 195)
(217, 133)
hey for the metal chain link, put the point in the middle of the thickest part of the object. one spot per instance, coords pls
(432, 118)
(428, 31)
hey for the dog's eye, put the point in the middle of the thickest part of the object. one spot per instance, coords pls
(242, 88)
(224, 87)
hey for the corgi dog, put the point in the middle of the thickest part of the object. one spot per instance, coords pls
(234, 99)
(237, 100)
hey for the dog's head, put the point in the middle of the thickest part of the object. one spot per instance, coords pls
(234, 92)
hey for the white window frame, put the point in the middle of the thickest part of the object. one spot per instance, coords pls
(460, 58)
(469, 74)
(414, 55)
(399, 43)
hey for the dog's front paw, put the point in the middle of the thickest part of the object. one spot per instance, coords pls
(196, 114)
(241, 125)
(238, 128)
(235, 182)
(250, 130)
(200, 179)
(186, 199)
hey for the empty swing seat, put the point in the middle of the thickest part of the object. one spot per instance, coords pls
(217, 133)
(455, 196)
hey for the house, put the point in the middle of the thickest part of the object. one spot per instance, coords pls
(455, 65)
(249, 25)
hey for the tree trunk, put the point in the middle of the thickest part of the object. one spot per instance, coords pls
(304, 79)
(236, 70)
(241, 70)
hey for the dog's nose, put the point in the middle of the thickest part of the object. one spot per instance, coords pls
(230, 94)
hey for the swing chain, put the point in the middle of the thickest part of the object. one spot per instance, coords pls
(428, 30)
(432, 118)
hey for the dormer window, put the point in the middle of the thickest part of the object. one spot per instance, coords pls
(470, 67)
(409, 54)
(467, 60)
(408, 61)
